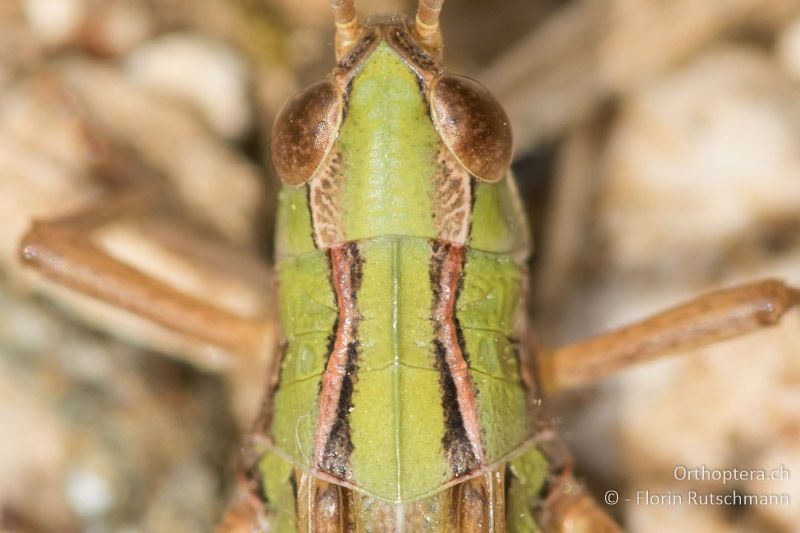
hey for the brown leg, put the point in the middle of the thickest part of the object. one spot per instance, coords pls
(63, 251)
(712, 317)
(245, 512)
(569, 509)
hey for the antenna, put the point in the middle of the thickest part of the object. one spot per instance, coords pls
(347, 28)
(427, 24)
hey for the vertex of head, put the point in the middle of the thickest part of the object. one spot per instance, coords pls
(424, 28)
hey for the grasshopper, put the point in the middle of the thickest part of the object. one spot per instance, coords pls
(407, 395)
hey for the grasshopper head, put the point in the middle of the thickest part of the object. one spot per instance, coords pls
(469, 120)
(390, 143)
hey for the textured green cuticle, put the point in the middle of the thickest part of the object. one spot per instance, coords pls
(294, 233)
(498, 221)
(397, 420)
(275, 478)
(388, 146)
(528, 474)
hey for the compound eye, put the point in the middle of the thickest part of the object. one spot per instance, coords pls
(305, 130)
(473, 125)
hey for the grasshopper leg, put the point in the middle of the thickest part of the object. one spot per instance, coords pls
(709, 318)
(550, 499)
(63, 251)
(568, 508)
(246, 512)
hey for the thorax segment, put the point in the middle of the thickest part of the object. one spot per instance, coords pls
(401, 371)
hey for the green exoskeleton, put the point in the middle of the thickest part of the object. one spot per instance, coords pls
(404, 398)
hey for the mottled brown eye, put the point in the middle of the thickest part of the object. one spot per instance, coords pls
(305, 130)
(473, 125)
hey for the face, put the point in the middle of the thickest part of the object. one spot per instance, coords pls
(390, 143)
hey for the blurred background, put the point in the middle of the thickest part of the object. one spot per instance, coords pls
(657, 148)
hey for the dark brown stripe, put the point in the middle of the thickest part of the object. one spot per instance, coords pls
(455, 441)
(461, 440)
(340, 443)
(368, 42)
(416, 57)
(333, 442)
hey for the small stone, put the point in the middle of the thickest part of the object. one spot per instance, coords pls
(715, 141)
(54, 21)
(88, 492)
(205, 73)
(118, 27)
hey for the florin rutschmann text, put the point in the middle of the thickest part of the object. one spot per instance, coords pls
(736, 496)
